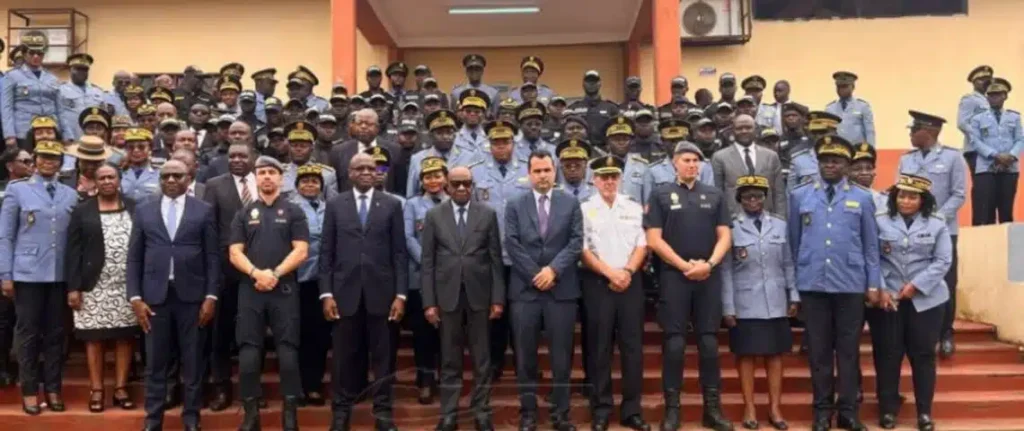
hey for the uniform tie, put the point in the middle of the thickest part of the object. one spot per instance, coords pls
(542, 215)
(246, 195)
(51, 189)
(843, 102)
(138, 172)
(749, 161)
(997, 113)
(576, 191)
(473, 135)
(830, 192)
(908, 220)
(363, 210)
(503, 169)
(757, 224)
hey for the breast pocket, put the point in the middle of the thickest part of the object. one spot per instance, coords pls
(922, 245)
(22, 92)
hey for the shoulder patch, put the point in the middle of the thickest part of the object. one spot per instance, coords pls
(19, 180)
(938, 216)
(638, 158)
(860, 187)
(474, 163)
(1015, 112)
(803, 151)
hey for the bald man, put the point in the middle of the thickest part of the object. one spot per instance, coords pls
(363, 128)
(743, 158)
(114, 99)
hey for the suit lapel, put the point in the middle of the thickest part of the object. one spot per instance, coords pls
(531, 211)
(158, 213)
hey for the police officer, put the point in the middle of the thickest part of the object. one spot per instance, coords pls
(942, 166)
(573, 156)
(28, 91)
(383, 159)
(754, 86)
(834, 238)
(530, 116)
(663, 171)
(862, 172)
(916, 253)
(474, 65)
(323, 135)
(593, 108)
(532, 67)
(140, 179)
(688, 229)
(247, 115)
(188, 92)
(228, 90)
(646, 142)
(507, 110)
(442, 125)
(33, 226)
(770, 114)
(266, 84)
(614, 250)
(678, 87)
(552, 129)
(316, 331)
(631, 103)
(158, 95)
(727, 88)
(704, 133)
(473, 108)
(426, 342)
(972, 104)
(792, 118)
(269, 241)
(858, 122)
(300, 136)
(113, 100)
(619, 133)
(374, 79)
(998, 140)
(803, 166)
(77, 94)
(300, 86)
(397, 73)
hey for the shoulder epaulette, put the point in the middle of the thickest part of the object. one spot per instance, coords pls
(862, 100)
(1015, 112)
(809, 180)
(939, 216)
(474, 163)
(805, 150)
(771, 214)
(325, 167)
(833, 102)
(912, 151)
(882, 212)
(860, 187)
(639, 158)
(19, 180)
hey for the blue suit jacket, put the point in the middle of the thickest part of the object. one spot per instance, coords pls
(194, 249)
(560, 248)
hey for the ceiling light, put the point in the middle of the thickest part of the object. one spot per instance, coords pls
(492, 10)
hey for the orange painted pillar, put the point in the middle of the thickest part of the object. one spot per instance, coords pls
(343, 42)
(632, 58)
(667, 47)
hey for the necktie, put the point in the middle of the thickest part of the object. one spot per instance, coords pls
(462, 221)
(362, 210)
(997, 114)
(576, 191)
(172, 219)
(246, 195)
(542, 215)
(51, 189)
(473, 135)
(436, 199)
(314, 203)
(503, 169)
(757, 224)
(830, 192)
(908, 220)
(138, 172)
(843, 103)
(749, 161)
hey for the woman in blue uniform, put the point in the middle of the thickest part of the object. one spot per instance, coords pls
(916, 252)
(758, 296)
(426, 344)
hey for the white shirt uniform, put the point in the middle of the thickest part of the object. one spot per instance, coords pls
(613, 233)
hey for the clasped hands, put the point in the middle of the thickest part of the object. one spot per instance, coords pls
(545, 279)
(265, 280)
(887, 301)
(699, 270)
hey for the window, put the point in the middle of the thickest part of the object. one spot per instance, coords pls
(825, 9)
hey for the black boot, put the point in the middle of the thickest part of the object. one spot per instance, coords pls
(251, 420)
(713, 417)
(290, 417)
(672, 421)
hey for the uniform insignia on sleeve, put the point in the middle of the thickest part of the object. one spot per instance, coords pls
(807, 219)
(741, 253)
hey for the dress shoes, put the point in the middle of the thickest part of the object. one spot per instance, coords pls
(384, 425)
(527, 423)
(599, 424)
(850, 424)
(447, 423)
(484, 424)
(925, 423)
(887, 421)
(635, 422)
(220, 399)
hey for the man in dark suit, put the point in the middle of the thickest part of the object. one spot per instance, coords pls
(463, 289)
(364, 268)
(195, 189)
(172, 282)
(364, 128)
(228, 194)
(544, 239)
(743, 157)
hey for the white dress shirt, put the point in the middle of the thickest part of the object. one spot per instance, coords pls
(363, 147)
(192, 189)
(743, 154)
(613, 232)
(250, 182)
(465, 214)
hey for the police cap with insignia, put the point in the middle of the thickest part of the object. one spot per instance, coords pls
(82, 60)
(399, 68)
(276, 132)
(235, 70)
(421, 70)
(265, 74)
(121, 122)
(822, 121)
(49, 148)
(410, 106)
(795, 107)
(643, 113)
(326, 118)
(833, 145)
(272, 103)
(229, 83)
(769, 133)
(295, 104)
(498, 129)
(474, 97)
(247, 96)
(380, 155)
(133, 90)
(573, 149)
(557, 99)
(339, 88)
(337, 97)
(999, 85)
(674, 129)
(35, 40)
(42, 122)
(309, 170)
(440, 119)
(159, 94)
(302, 74)
(633, 81)
(607, 165)
(269, 162)
(170, 123)
(921, 119)
(374, 71)
(575, 119)
(529, 110)
(754, 83)
(913, 183)
(694, 114)
(474, 60)
(980, 72)
(225, 119)
(751, 181)
(528, 84)
(843, 77)
(683, 147)
(408, 125)
(727, 79)
(357, 99)
(509, 104)
(429, 81)
(679, 82)
(147, 109)
(748, 100)
(532, 61)
(704, 121)
(432, 97)
(723, 106)
(619, 125)
(865, 152)
(378, 97)
(432, 164)
(300, 131)
(592, 75)
(138, 134)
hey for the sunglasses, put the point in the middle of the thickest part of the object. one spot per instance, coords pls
(25, 161)
(35, 52)
(170, 175)
(458, 184)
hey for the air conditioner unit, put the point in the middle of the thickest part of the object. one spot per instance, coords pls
(714, 22)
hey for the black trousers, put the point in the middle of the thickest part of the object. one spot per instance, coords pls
(558, 319)
(501, 336)
(614, 318)
(223, 334)
(354, 337)
(834, 324)
(914, 334)
(278, 309)
(175, 328)
(315, 338)
(992, 197)
(39, 329)
(971, 158)
(7, 320)
(457, 327)
(680, 299)
(425, 341)
(952, 280)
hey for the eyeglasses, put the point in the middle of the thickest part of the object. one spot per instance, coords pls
(458, 184)
(172, 175)
(36, 52)
(25, 161)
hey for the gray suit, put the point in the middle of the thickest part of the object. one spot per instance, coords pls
(463, 275)
(729, 165)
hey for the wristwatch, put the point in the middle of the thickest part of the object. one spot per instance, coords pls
(630, 271)
(276, 274)
(712, 264)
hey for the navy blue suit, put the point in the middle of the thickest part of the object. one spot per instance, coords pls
(531, 308)
(175, 303)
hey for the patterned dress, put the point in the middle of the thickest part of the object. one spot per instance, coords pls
(106, 313)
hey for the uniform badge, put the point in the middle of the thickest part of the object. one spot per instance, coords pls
(254, 214)
(703, 197)
(485, 194)
(886, 247)
(807, 219)
(741, 253)
(280, 212)
(674, 197)
(31, 218)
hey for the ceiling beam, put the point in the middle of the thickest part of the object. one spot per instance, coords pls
(371, 26)
(642, 28)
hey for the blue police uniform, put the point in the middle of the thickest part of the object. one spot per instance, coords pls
(113, 99)
(491, 92)
(758, 280)
(945, 168)
(465, 140)
(426, 341)
(632, 183)
(415, 212)
(803, 168)
(330, 180)
(315, 219)
(664, 173)
(544, 94)
(73, 100)
(24, 97)
(261, 107)
(136, 186)
(581, 191)
(880, 199)
(970, 105)
(992, 135)
(496, 190)
(457, 156)
(317, 102)
(858, 122)
(523, 148)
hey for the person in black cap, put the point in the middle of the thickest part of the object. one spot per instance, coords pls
(397, 73)
(592, 107)
(421, 73)
(473, 107)
(646, 142)
(793, 134)
(247, 105)
(727, 88)
(411, 139)
(679, 88)
(858, 122)
(190, 91)
(326, 129)
(300, 86)
(631, 104)
(972, 104)
(552, 128)
(532, 68)
(374, 79)
(474, 65)
(530, 117)
(996, 134)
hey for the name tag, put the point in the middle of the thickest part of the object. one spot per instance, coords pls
(675, 207)
(852, 204)
(252, 222)
(705, 206)
(280, 220)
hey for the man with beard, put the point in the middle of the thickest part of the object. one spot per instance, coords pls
(300, 137)
(442, 125)
(662, 172)
(474, 65)
(76, 95)
(679, 88)
(632, 104)
(552, 128)
(596, 110)
(363, 127)
(771, 114)
(239, 133)
(247, 107)
(266, 84)
(530, 116)
(190, 91)
(300, 86)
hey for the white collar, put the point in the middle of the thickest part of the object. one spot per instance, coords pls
(537, 195)
(247, 177)
(178, 200)
(357, 193)
(456, 206)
